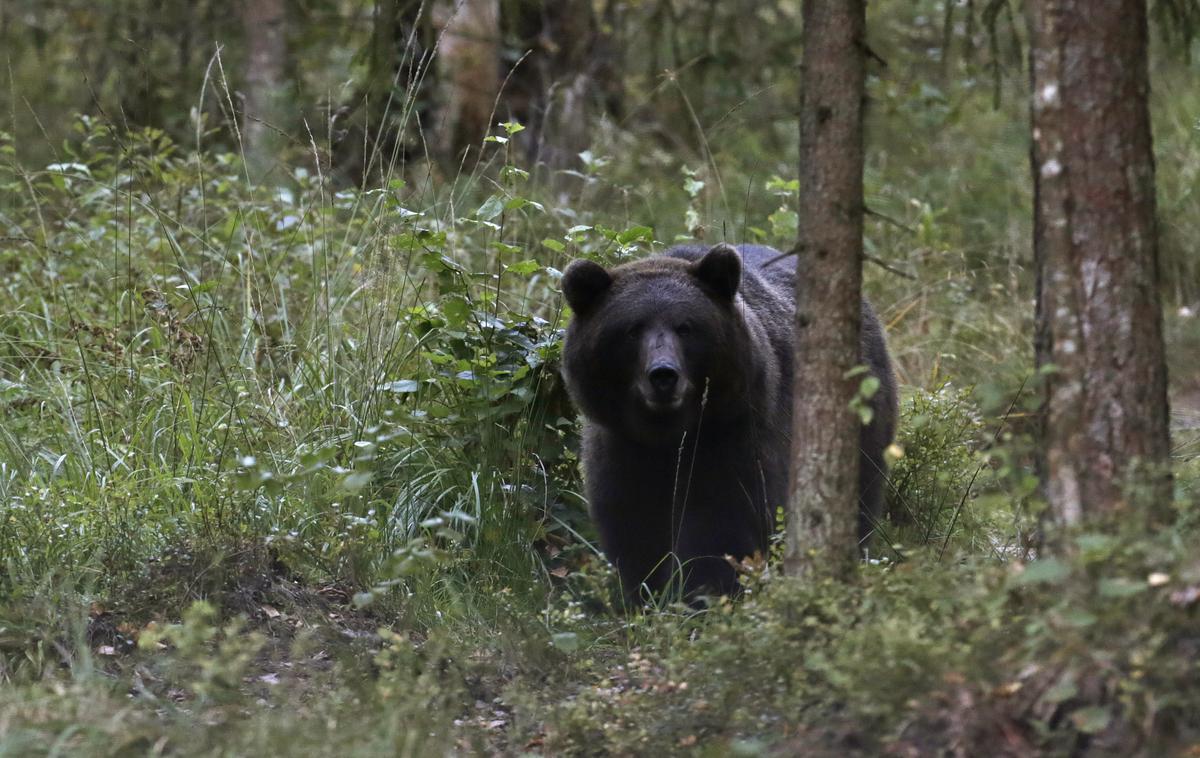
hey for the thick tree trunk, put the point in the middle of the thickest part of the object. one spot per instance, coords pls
(266, 63)
(1095, 242)
(568, 77)
(468, 72)
(823, 505)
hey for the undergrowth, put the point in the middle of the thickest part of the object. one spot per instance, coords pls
(289, 467)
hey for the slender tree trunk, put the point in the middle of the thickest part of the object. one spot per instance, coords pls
(266, 62)
(377, 128)
(823, 506)
(1099, 316)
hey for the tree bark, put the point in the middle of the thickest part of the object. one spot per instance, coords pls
(823, 503)
(468, 63)
(377, 128)
(1099, 336)
(569, 76)
(266, 62)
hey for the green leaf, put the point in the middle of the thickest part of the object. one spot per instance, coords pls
(568, 642)
(401, 386)
(439, 263)
(1062, 691)
(312, 458)
(868, 387)
(1044, 571)
(1091, 720)
(491, 208)
(523, 268)
(1079, 618)
(554, 245)
(748, 748)
(1120, 587)
(782, 186)
(517, 203)
(456, 310)
(356, 480)
(1094, 548)
(784, 223)
(865, 413)
(635, 233)
(513, 173)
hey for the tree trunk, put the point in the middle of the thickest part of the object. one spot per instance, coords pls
(263, 95)
(1099, 338)
(568, 77)
(378, 127)
(823, 503)
(468, 62)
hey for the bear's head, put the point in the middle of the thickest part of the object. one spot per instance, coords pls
(654, 342)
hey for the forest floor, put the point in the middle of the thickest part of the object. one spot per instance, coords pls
(291, 471)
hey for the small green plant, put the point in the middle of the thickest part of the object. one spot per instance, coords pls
(208, 657)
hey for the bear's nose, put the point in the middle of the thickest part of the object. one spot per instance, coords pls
(663, 379)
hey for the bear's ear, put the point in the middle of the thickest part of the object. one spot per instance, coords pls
(583, 283)
(720, 269)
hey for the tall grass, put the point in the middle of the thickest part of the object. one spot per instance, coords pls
(280, 392)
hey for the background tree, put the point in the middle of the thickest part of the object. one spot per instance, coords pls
(468, 65)
(379, 123)
(1099, 332)
(264, 93)
(563, 72)
(823, 509)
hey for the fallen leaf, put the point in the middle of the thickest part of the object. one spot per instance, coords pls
(1009, 689)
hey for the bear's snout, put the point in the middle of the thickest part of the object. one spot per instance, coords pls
(663, 379)
(663, 383)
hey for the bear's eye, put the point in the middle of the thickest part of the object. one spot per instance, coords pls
(684, 328)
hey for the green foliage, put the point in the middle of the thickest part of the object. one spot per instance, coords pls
(220, 351)
(308, 447)
(1046, 649)
(212, 658)
(959, 480)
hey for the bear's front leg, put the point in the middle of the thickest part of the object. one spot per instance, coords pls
(629, 493)
(705, 539)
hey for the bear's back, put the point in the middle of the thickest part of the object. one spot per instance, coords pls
(765, 270)
(768, 290)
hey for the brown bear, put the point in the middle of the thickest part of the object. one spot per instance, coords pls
(682, 367)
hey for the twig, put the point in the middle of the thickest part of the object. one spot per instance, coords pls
(894, 222)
